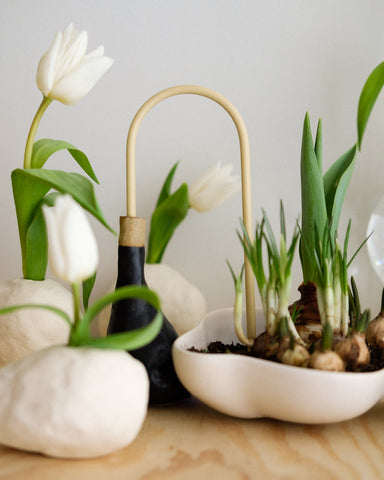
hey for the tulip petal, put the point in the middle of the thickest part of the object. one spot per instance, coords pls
(55, 255)
(79, 245)
(70, 35)
(213, 188)
(73, 253)
(72, 56)
(81, 80)
(65, 72)
(46, 69)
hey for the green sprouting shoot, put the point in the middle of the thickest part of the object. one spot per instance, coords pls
(326, 338)
(283, 331)
(254, 253)
(331, 278)
(322, 196)
(274, 282)
(295, 312)
(359, 320)
(238, 306)
(282, 328)
(326, 278)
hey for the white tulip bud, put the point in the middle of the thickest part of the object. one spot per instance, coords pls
(72, 248)
(213, 188)
(65, 73)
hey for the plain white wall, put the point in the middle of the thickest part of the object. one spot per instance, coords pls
(274, 59)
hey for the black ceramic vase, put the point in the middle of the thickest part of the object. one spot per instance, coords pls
(133, 313)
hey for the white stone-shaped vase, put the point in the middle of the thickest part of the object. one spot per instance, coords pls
(248, 387)
(72, 402)
(26, 330)
(181, 302)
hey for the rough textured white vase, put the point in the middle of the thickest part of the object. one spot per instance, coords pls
(25, 331)
(72, 402)
(182, 302)
(248, 387)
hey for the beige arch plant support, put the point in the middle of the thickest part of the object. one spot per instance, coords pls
(131, 224)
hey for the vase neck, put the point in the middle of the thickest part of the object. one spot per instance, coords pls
(131, 266)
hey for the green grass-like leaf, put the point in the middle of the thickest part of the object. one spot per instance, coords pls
(368, 97)
(359, 319)
(327, 336)
(319, 144)
(313, 205)
(237, 279)
(254, 252)
(336, 182)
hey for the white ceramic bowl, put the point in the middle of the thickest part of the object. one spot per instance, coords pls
(250, 388)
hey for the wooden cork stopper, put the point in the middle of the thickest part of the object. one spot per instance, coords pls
(132, 232)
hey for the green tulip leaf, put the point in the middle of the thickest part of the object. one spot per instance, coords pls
(36, 249)
(128, 340)
(336, 181)
(27, 195)
(44, 148)
(37, 241)
(368, 98)
(165, 219)
(121, 293)
(79, 187)
(166, 188)
(319, 145)
(314, 211)
(88, 285)
(122, 341)
(30, 186)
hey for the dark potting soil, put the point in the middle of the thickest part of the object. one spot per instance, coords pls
(376, 354)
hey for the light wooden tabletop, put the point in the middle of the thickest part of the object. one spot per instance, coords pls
(189, 441)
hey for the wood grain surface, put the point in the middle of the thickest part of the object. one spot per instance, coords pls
(190, 441)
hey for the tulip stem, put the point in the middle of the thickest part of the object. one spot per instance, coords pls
(76, 304)
(32, 131)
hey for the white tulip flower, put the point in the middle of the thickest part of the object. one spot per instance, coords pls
(213, 188)
(65, 73)
(72, 248)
